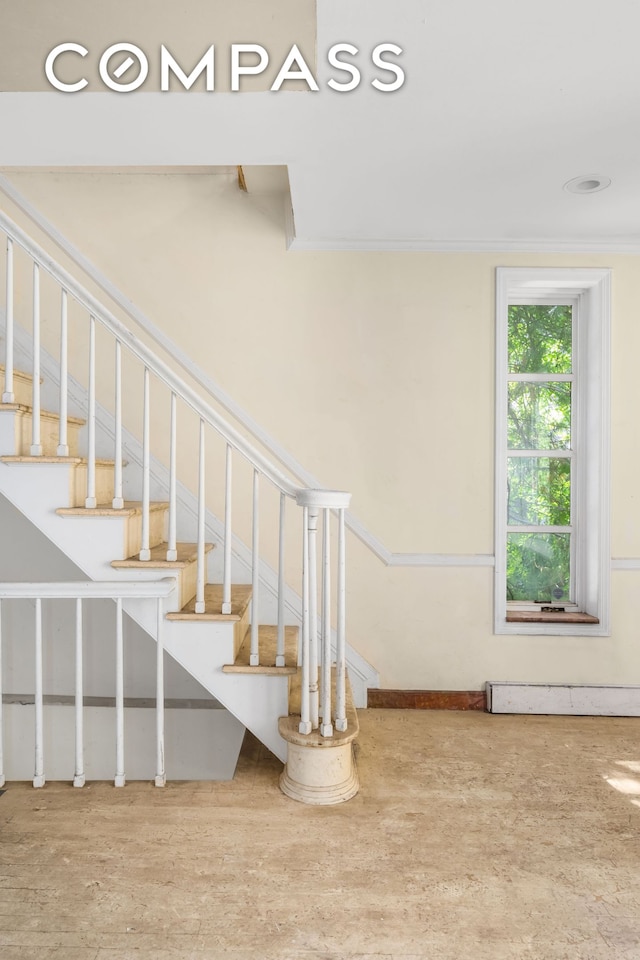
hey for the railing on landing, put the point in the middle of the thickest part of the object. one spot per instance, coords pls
(315, 651)
(81, 591)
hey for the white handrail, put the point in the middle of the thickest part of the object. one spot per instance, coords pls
(148, 358)
(88, 590)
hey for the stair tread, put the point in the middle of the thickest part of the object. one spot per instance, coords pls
(75, 460)
(268, 640)
(187, 553)
(240, 597)
(130, 509)
(47, 414)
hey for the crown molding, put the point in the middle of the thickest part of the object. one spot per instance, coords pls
(496, 245)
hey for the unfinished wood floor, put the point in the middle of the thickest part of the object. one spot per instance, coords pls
(473, 837)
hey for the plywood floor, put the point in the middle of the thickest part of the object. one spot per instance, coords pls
(473, 837)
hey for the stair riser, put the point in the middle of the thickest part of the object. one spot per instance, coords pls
(22, 388)
(49, 435)
(188, 583)
(104, 484)
(133, 532)
(240, 630)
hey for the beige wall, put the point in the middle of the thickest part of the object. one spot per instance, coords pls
(376, 371)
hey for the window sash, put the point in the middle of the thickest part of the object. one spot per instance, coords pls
(590, 289)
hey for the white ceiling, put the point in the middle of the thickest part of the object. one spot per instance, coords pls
(504, 102)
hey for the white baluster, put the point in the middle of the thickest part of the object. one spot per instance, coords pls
(341, 664)
(254, 658)
(326, 727)
(36, 444)
(161, 778)
(280, 652)
(305, 714)
(226, 580)
(79, 779)
(9, 396)
(200, 574)
(172, 548)
(118, 501)
(119, 779)
(145, 552)
(1, 708)
(63, 443)
(313, 618)
(90, 502)
(38, 777)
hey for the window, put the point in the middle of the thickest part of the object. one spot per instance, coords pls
(552, 451)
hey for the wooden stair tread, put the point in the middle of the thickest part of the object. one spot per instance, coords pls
(268, 641)
(130, 509)
(47, 414)
(288, 726)
(240, 597)
(187, 553)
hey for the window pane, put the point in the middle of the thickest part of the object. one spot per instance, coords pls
(540, 339)
(539, 491)
(539, 416)
(538, 567)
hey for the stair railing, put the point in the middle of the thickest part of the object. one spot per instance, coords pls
(81, 591)
(316, 698)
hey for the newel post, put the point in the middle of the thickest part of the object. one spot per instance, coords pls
(320, 767)
(317, 703)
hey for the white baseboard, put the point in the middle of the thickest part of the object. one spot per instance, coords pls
(564, 699)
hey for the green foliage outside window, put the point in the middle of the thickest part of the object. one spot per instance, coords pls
(539, 419)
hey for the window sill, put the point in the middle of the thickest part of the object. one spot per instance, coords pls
(537, 616)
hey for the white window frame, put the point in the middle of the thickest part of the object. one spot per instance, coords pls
(589, 291)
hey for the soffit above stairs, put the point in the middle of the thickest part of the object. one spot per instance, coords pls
(501, 107)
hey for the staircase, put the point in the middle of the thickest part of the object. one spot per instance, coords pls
(284, 679)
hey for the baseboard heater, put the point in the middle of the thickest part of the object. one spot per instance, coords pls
(564, 699)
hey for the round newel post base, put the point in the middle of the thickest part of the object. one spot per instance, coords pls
(320, 774)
